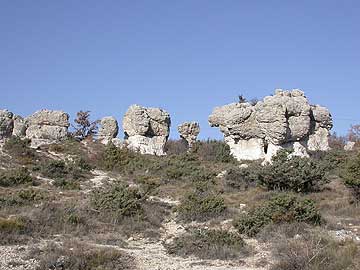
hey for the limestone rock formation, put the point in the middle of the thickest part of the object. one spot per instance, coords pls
(189, 132)
(284, 120)
(20, 126)
(349, 146)
(108, 129)
(47, 126)
(146, 129)
(6, 124)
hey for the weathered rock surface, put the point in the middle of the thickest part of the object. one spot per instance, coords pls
(189, 131)
(6, 124)
(349, 146)
(146, 129)
(47, 126)
(20, 126)
(284, 120)
(108, 129)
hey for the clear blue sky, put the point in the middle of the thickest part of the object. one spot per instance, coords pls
(185, 56)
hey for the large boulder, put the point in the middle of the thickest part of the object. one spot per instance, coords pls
(283, 120)
(20, 126)
(108, 129)
(188, 132)
(146, 129)
(6, 124)
(46, 127)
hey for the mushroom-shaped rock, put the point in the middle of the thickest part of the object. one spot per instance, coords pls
(6, 124)
(283, 120)
(46, 127)
(189, 131)
(108, 129)
(146, 129)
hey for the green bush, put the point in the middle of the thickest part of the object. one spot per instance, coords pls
(15, 177)
(20, 149)
(293, 174)
(12, 230)
(120, 200)
(213, 150)
(243, 178)
(208, 244)
(201, 205)
(66, 176)
(279, 209)
(351, 176)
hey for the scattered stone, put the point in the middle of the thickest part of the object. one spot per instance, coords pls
(45, 127)
(285, 120)
(146, 129)
(349, 146)
(189, 132)
(108, 129)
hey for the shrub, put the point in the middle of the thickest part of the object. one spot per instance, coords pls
(201, 205)
(208, 244)
(20, 149)
(351, 175)
(242, 178)
(279, 209)
(12, 230)
(64, 175)
(294, 174)
(213, 150)
(120, 200)
(73, 255)
(315, 251)
(176, 147)
(15, 177)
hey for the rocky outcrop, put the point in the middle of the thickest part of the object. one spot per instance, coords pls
(20, 126)
(146, 129)
(46, 127)
(6, 124)
(284, 120)
(188, 132)
(349, 146)
(108, 129)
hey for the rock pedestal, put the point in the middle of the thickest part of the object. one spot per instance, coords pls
(146, 129)
(108, 129)
(188, 132)
(284, 120)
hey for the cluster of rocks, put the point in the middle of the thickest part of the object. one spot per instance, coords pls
(283, 120)
(253, 131)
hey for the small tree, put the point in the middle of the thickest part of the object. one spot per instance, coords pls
(354, 133)
(242, 99)
(84, 127)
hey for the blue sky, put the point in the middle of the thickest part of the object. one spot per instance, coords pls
(184, 56)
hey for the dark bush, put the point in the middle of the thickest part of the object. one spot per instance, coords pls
(351, 176)
(243, 178)
(213, 150)
(294, 174)
(176, 147)
(120, 200)
(201, 204)
(15, 177)
(281, 208)
(209, 244)
(20, 149)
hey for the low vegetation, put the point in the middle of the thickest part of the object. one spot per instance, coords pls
(351, 176)
(15, 177)
(209, 244)
(75, 255)
(282, 208)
